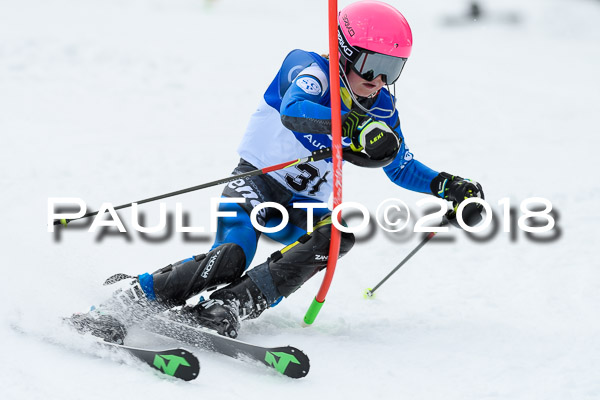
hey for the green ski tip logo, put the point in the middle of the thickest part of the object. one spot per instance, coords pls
(284, 360)
(171, 364)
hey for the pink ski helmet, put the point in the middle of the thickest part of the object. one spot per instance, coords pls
(374, 39)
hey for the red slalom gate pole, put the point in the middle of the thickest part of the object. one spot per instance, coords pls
(336, 137)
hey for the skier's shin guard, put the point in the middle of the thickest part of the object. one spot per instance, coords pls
(176, 283)
(298, 262)
(286, 270)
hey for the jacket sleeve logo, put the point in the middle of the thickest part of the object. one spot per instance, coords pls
(309, 85)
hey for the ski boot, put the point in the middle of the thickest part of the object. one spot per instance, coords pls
(227, 307)
(109, 321)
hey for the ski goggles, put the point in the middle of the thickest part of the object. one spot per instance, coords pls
(368, 64)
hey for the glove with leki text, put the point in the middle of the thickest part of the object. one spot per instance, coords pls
(377, 139)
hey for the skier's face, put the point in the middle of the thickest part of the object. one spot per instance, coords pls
(362, 87)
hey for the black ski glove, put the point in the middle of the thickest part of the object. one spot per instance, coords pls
(377, 138)
(456, 189)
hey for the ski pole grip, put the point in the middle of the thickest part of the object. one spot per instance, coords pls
(313, 311)
(321, 154)
(62, 222)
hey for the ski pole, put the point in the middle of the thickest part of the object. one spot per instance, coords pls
(369, 293)
(315, 156)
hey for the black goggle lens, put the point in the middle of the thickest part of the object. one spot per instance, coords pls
(369, 65)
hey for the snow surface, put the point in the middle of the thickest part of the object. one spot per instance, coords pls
(118, 100)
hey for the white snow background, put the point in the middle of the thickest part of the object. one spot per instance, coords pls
(118, 100)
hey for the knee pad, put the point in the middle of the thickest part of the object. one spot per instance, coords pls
(178, 282)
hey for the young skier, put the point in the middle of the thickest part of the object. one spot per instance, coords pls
(292, 120)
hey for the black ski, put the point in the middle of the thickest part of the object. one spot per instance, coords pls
(179, 363)
(287, 360)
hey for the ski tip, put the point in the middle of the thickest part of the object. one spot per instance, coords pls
(288, 360)
(369, 294)
(179, 363)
